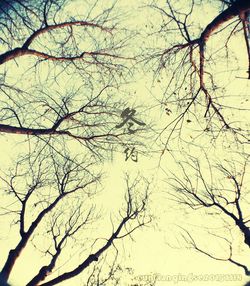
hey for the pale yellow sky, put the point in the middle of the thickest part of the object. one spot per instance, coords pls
(150, 252)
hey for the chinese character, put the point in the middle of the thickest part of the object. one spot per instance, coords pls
(133, 154)
(128, 115)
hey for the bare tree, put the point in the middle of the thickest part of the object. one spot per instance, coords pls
(69, 68)
(199, 59)
(54, 198)
(63, 66)
(219, 193)
(25, 22)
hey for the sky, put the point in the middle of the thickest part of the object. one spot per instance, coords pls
(155, 249)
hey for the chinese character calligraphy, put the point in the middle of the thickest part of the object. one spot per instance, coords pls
(128, 116)
(133, 154)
